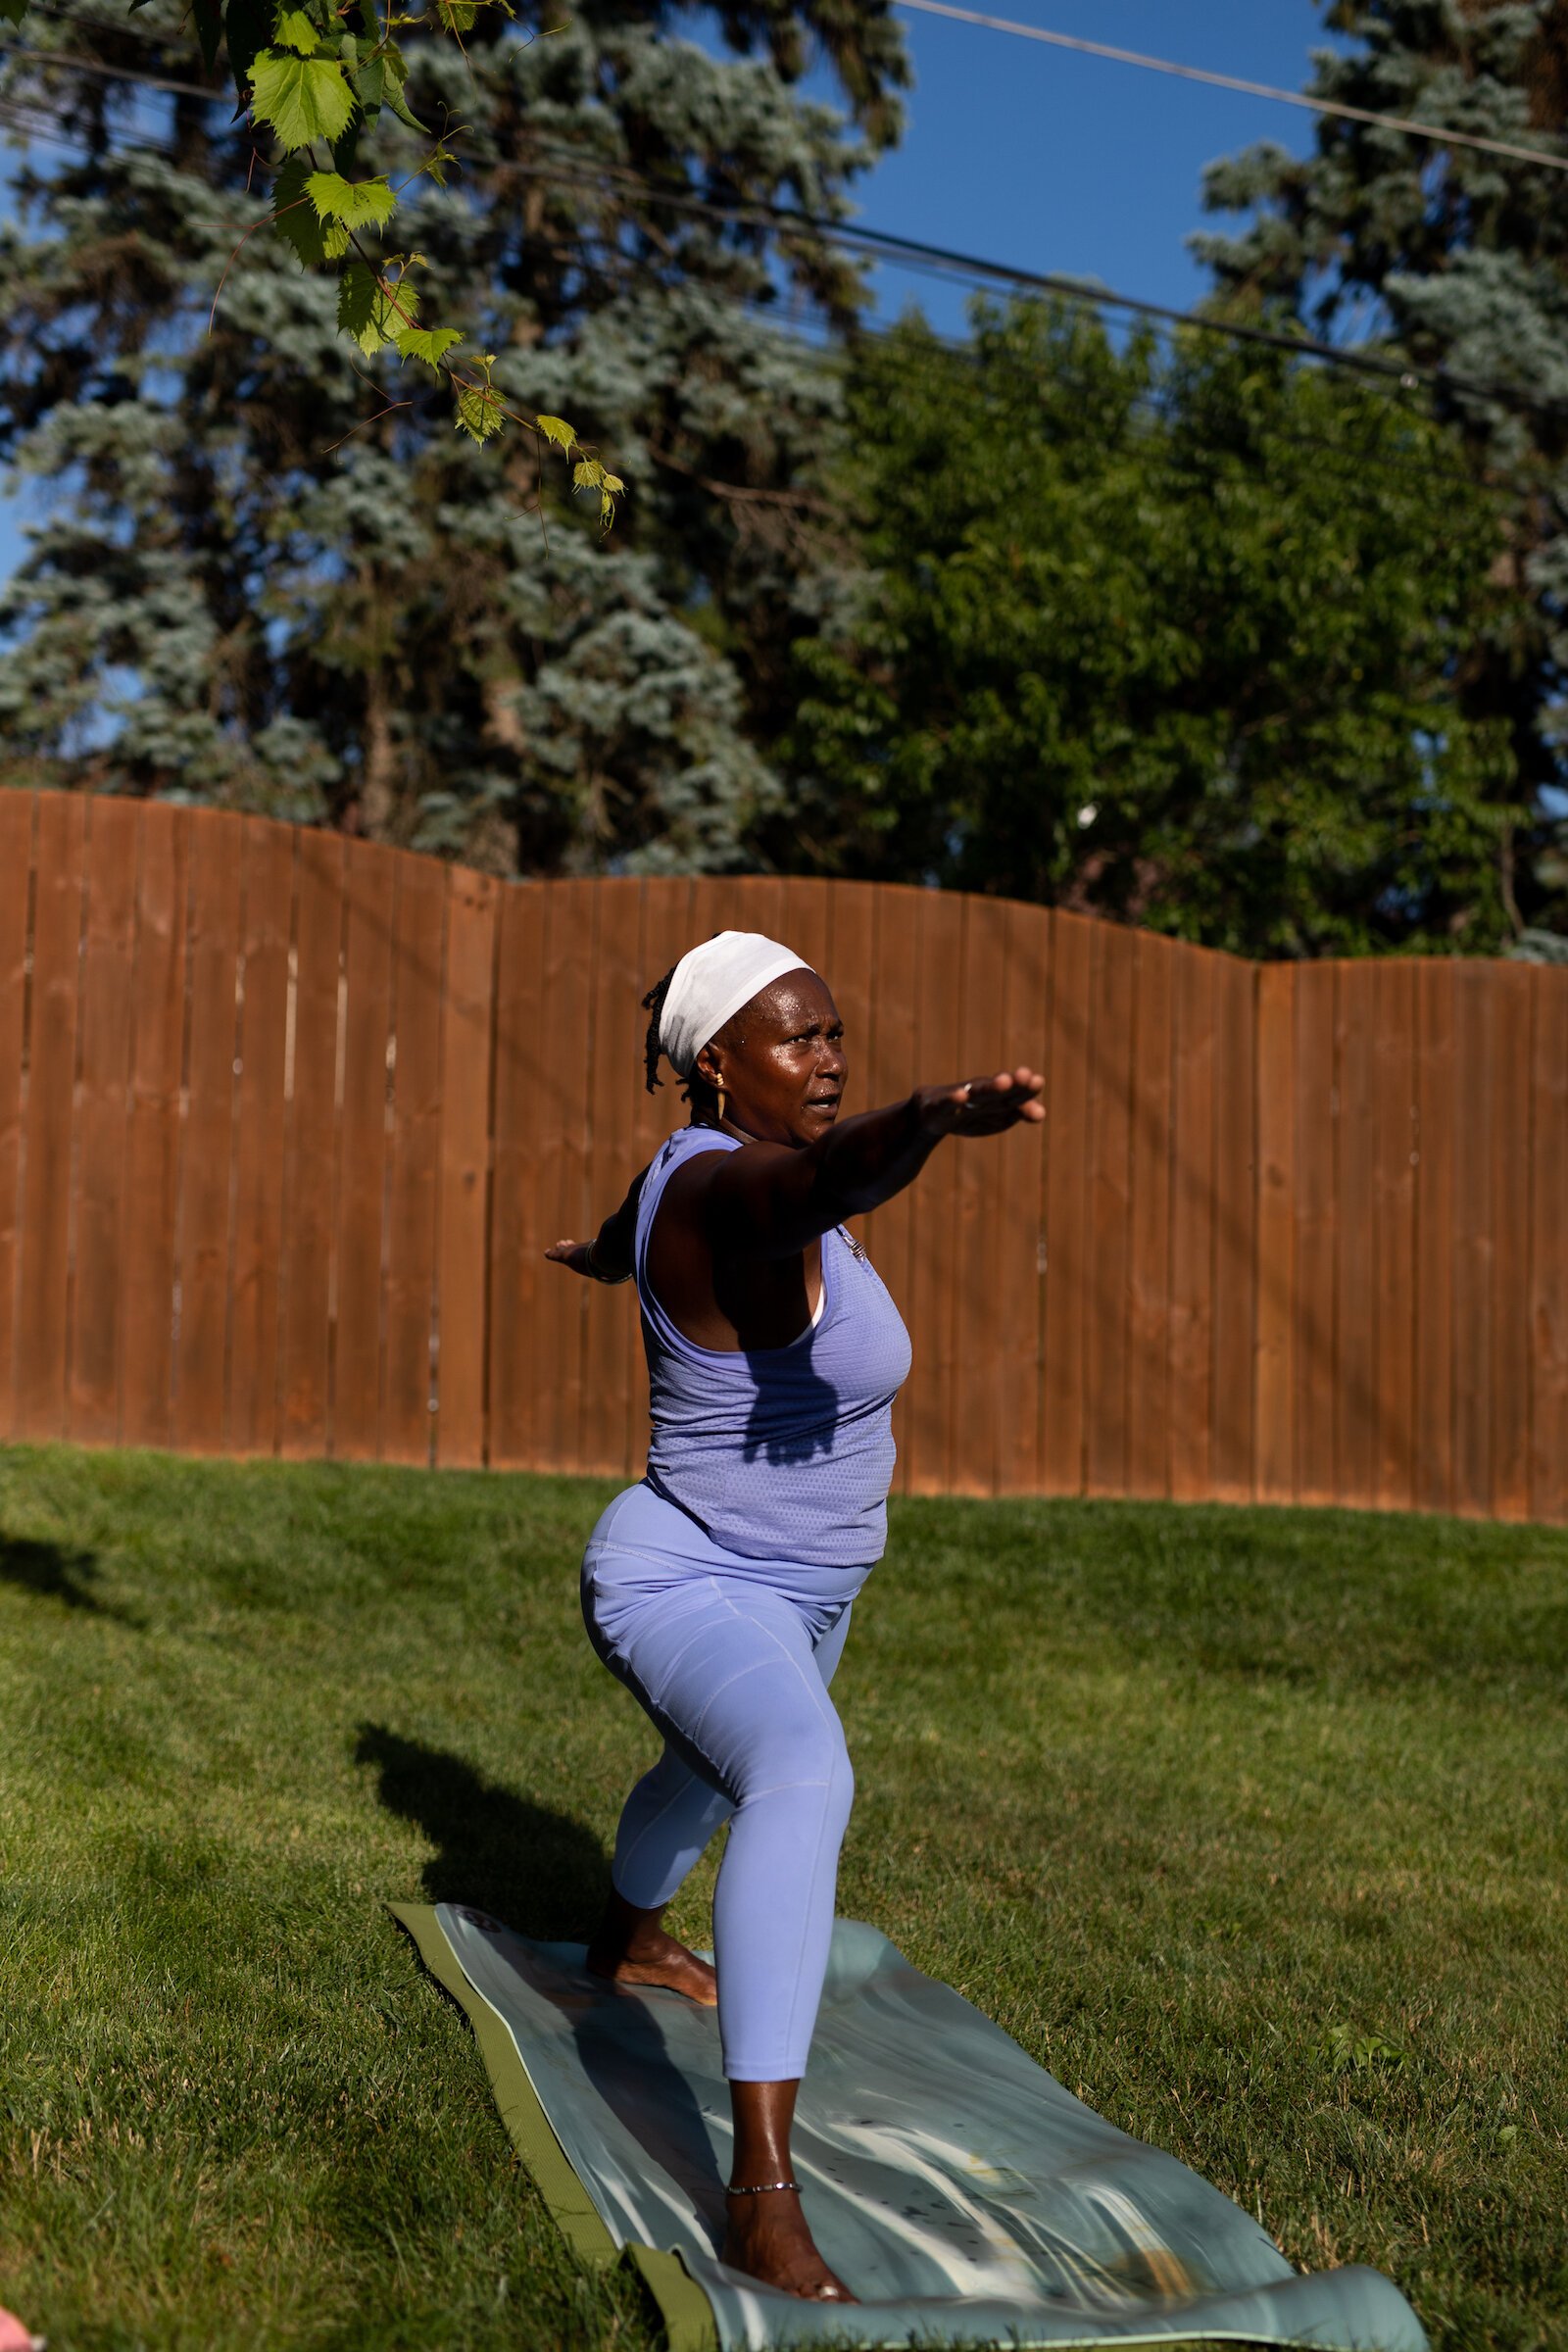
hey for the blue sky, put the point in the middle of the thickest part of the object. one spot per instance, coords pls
(1051, 160)
(1056, 161)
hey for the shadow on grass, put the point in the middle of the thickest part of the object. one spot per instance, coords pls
(547, 1876)
(543, 1872)
(55, 1574)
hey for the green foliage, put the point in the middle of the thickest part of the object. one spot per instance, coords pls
(299, 97)
(367, 307)
(276, 582)
(304, 73)
(428, 344)
(311, 95)
(1457, 260)
(357, 204)
(1172, 639)
(1214, 1781)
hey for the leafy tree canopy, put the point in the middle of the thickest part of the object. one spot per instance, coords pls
(1457, 260)
(324, 82)
(1179, 639)
(271, 579)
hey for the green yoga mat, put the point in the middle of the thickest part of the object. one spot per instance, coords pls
(954, 2187)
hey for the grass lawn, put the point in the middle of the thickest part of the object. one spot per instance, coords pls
(1249, 1825)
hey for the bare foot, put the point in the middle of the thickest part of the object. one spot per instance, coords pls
(767, 2238)
(655, 1958)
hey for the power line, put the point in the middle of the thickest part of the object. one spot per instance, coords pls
(884, 244)
(1232, 81)
(1039, 33)
(1344, 461)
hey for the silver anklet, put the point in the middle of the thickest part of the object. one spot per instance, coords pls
(761, 2189)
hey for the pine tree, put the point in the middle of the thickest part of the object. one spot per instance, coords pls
(1458, 261)
(247, 593)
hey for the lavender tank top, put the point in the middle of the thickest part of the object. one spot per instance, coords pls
(777, 1452)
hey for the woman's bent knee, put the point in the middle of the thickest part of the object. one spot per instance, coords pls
(816, 1769)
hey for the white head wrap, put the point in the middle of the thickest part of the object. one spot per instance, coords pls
(714, 981)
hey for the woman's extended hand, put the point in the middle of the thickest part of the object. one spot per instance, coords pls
(575, 1256)
(983, 1105)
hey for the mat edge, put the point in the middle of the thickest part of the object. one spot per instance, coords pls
(690, 2321)
(521, 2107)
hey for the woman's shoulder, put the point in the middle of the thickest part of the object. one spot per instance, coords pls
(687, 1142)
(678, 1150)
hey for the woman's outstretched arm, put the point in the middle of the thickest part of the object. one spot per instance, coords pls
(770, 1200)
(608, 1257)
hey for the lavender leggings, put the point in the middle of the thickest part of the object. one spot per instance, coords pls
(731, 1657)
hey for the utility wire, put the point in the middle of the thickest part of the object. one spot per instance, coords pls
(1343, 460)
(1055, 40)
(884, 244)
(1232, 81)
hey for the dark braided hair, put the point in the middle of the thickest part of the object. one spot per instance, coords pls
(654, 1002)
(697, 1088)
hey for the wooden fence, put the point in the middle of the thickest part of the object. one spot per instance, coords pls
(287, 1121)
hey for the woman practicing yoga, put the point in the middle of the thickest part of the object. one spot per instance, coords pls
(718, 1589)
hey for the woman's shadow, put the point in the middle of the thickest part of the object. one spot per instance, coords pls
(540, 1872)
(547, 1876)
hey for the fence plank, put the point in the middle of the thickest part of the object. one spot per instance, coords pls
(1068, 1148)
(1235, 1310)
(1473, 1240)
(613, 1081)
(1548, 1250)
(522, 1225)
(419, 923)
(312, 1146)
(1020, 1210)
(805, 920)
(370, 885)
(1148, 1263)
(101, 1115)
(756, 903)
(719, 903)
(1513, 1002)
(18, 812)
(984, 1285)
(562, 1160)
(208, 1141)
(1437, 1145)
(43, 1290)
(851, 954)
(1316, 1231)
(939, 978)
(1114, 968)
(1275, 1398)
(1395, 1129)
(468, 1028)
(260, 1126)
(152, 1144)
(1357, 1399)
(1191, 1231)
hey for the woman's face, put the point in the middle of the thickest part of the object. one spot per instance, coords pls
(781, 1062)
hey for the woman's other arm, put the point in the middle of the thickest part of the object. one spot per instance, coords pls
(608, 1257)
